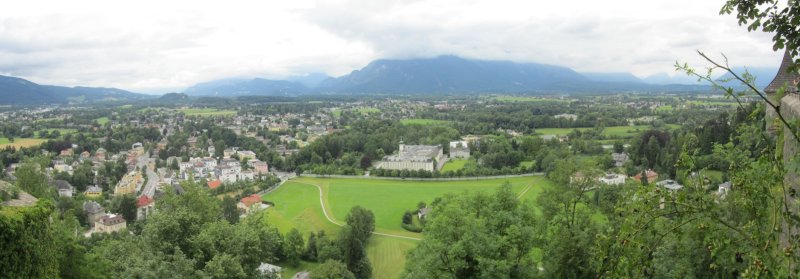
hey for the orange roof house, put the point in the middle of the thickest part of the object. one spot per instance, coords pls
(214, 184)
(652, 176)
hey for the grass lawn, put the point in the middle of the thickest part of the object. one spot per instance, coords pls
(102, 120)
(420, 121)
(613, 131)
(715, 103)
(297, 205)
(513, 99)
(664, 108)
(20, 142)
(454, 165)
(206, 112)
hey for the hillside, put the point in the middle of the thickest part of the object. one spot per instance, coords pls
(246, 87)
(17, 91)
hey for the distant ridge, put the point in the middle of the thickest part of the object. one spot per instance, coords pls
(444, 75)
(17, 91)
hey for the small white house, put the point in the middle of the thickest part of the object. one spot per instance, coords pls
(613, 179)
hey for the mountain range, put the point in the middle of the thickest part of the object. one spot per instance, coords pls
(438, 75)
(452, 75)
(17, 91)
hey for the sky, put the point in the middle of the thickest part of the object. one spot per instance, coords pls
(165, 46)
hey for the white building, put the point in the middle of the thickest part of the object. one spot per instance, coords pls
(414, 157)
(459, 149)
(613, 179)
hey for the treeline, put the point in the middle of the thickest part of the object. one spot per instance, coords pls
(189, 236)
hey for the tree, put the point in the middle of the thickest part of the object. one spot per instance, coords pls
(332, 269)
(769, 16)
(362, 222)
(126, 206)
(293, 247)
(224, 266)
(476, 235)
(30, 179)
(311, 248)
(229, 210)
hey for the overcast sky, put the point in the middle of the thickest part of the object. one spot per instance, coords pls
(161, 46)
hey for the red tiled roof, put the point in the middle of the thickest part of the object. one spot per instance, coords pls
(144, 200)
(214, 184)
(251, 199)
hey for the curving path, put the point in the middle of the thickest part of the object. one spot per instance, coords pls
(325, 212)
(327, 216)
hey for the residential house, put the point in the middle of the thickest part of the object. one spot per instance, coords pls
(619, 158)
(246, 175)
(145, 206)
(66, 152)
(93, 211)
(64, 188)
(423, 212)
(214, 184)
(246, 155)
(261, 167)
(249, 203)
(671, 185)
(100, 154)
(109, 223)
(650, 174)
(128, 183)
(459, 149)
(613, 179)
(85, 154)
(93, 191)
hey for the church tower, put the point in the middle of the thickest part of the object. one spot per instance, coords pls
(784, 77)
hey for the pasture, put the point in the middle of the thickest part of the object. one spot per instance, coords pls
(102, 120)
(297, 205)
(420, 121)
(206, 112)
(613, 131)
(20, 142)
(528, 99)
(454, 165)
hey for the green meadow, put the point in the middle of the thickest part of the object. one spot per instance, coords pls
(297, 205)
(102, 120)
(614, 131)
(514, 99)
(454, 165)
(206, 112)
(420, 121)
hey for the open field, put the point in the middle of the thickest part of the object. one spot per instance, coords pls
(297, 204)
(513, 99)
(206, 112)
(664, 108)
(420, 121)
(614, 131)
(454, 165)
(20, 142)
(366, 110)
(102, 120)
(715, 103)
(526, 164)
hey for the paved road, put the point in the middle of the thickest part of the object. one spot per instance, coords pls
(152, 176)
